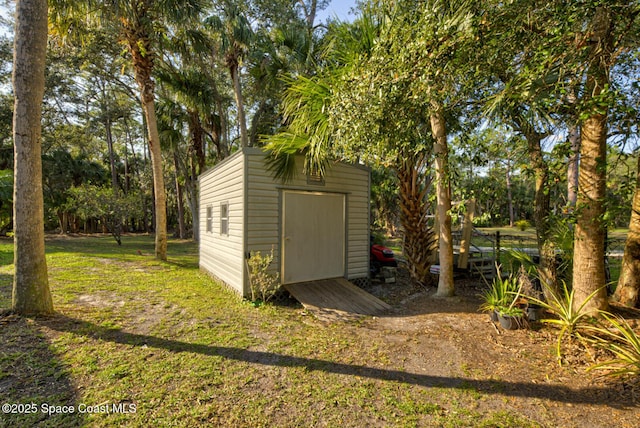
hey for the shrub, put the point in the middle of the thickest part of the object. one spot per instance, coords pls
(522, 224)
(264, 284)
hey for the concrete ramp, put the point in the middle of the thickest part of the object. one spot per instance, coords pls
(336, 299)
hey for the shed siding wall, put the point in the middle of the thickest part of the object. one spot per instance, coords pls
(223, 255)
(264, 209)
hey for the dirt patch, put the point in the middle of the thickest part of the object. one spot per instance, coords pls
(450, 340)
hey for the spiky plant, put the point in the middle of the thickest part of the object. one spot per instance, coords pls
(620, 339)
(501, 293)
(565, 316)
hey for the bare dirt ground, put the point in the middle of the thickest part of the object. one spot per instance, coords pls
(448, 341)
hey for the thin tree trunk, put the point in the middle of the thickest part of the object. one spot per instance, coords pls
(158, 182)
(509, 195)
(572, 166)
(224, 131)
(628, 289)
(31, 293)
(443, 192)
(542, 202)
(588, 254)
(141, 49)
(192, 198)
(197, 140)
(112, 158)
(237, 91)
(310, 10)
(179, 198)
(127, 180)
(60, 221)
(109, 136)
(221, 140)
(190, 186)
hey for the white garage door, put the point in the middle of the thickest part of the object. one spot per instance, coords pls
(313, 236)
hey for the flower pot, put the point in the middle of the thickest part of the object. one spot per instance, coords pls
(509, 322)
(494, 316)
(534, 313)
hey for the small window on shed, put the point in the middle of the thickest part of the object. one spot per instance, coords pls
(224, 218)
(209, 218)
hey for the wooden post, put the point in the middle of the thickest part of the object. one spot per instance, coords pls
(465, 241)
(498, 246)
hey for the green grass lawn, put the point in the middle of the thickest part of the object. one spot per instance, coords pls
(138, 342)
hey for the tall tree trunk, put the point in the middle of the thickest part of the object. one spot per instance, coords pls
(589, 238)
(547, 268)
(127, 180)
(112, 157)
(225, 148)
(190, 186)
(197, 140)
(628, 289)
(237, 91)
(419, 240)
(179, 198)
(310, 10)
(443, 192)
(572, 166)
(31, 293)
(509, 195)
(159, 190)
(60, 221)
(192, 199)
(141, 50)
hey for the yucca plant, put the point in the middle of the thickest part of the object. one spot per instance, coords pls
(501, 292)
(622, 341)
(565, 316)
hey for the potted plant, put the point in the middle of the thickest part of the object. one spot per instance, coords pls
(529, 285)
(500, 294)
(504, 298)
(511, 317)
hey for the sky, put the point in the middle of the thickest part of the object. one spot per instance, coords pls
(5, 13)
(339, 8)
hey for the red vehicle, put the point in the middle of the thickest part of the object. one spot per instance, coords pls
(381, 256)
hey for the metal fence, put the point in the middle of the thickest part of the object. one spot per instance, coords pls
(502, 246)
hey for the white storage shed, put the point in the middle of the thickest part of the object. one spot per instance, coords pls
(318, 229)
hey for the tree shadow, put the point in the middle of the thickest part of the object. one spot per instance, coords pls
(32, 378)
(601, 395)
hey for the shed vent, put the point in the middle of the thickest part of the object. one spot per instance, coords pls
(315, 178)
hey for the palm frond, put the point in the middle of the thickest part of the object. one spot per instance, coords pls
(282, 150)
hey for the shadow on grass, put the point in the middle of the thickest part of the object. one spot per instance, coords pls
(33, 381)
(561, 393)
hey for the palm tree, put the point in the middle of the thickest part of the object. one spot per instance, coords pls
(171, 120)
(190, 97)
(318, 111)
(31, 293)
(428, 47)
(234, 35)
(137, 23)
(589, 237)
